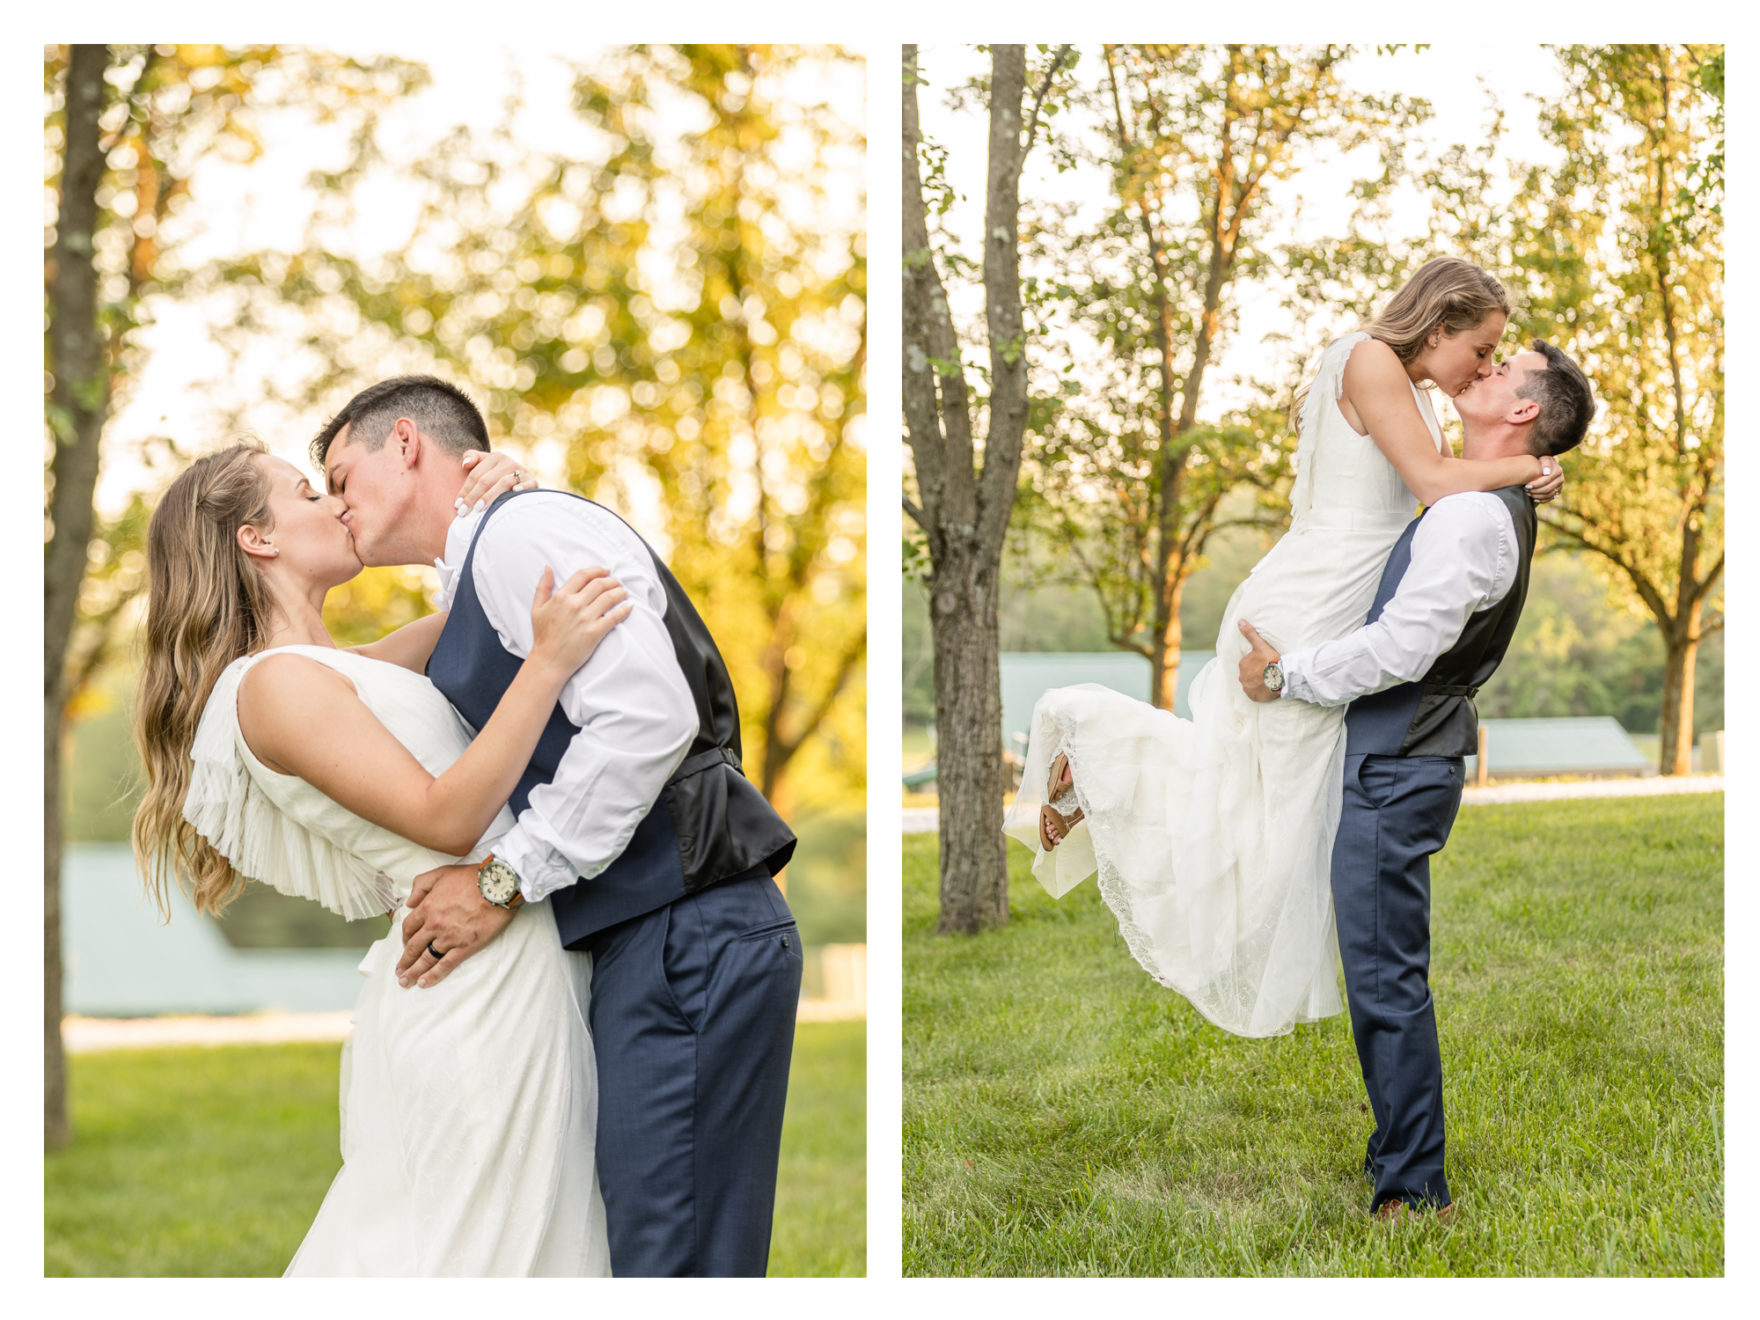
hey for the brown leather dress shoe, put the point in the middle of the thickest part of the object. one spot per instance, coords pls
(1397, 1209)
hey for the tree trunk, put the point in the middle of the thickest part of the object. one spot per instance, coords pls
(78, 403)
(1164, 662)
(965, 501)
(1170, 551)
(963, 596)
(1165, 639)
(57, 1128)
(1682, 645)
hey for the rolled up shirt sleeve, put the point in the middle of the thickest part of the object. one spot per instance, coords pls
(1464, 554)
(633, 709)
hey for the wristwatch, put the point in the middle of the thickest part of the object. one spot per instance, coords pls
(498, 883)
(1274, 676)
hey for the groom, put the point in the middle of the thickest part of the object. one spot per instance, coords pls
(633, 818)
(1442, 619)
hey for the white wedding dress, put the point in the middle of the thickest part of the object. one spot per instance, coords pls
(468, 1107)
(1212, 836)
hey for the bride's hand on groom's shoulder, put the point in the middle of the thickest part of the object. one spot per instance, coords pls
(569, 622)
(1549, 483)
(487, 478)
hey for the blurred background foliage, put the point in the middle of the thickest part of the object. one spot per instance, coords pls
(659, 299)
(1130, 501)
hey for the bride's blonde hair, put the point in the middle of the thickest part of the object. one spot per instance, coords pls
(1445, 293)
(206, 606)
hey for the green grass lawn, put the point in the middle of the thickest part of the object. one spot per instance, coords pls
(1065, 1115)
(214, 1161)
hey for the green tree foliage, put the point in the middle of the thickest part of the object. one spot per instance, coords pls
(1197, 138)
(679, 317)
(168, 109)
(1620, 250)
(123, 127)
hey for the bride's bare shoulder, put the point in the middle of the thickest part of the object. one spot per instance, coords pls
(284, 678)
(1370, 357)
(1373, 370)
(284, 699)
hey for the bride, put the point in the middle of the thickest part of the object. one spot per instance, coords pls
(1212, 837)
(340, 776)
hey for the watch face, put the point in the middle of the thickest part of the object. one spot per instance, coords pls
(498, 882)
(1274, 676)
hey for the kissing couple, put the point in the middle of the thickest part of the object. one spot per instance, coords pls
(571, 1054)
(1325, 757)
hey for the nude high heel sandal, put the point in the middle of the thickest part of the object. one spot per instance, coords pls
(1050, 817)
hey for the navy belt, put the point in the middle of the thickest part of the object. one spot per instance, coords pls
(695, 765)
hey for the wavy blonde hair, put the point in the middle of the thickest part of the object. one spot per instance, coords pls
(206, 606)
(1445, 292)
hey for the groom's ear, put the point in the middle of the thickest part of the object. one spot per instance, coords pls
(407, 440)
(1524, 411)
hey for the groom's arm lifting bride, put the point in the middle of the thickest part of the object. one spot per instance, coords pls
(1446, 609)
(633, 819)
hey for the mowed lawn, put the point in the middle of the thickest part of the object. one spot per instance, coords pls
(1065, 1115)
(214, 1161)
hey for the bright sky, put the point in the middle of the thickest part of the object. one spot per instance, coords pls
(266, 204)
(1455, 79)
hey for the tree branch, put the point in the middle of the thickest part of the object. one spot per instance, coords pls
(136, 91)
(1039, 99)
(1003, 314)
(846, 665)
(1710, 580)
(938, 420)
(1647, 592)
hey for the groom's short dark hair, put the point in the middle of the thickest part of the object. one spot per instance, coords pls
(1566, 402)
(441, 411)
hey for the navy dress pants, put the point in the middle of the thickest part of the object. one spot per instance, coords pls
(1397, 811)
(693, 1012)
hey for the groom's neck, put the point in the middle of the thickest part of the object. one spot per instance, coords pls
(436, 521)
(1483, 443)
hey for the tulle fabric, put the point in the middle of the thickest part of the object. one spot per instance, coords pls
(468, 1109)
(1212, 837)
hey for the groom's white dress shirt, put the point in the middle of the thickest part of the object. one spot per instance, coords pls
(1464, 559)
(630, 700)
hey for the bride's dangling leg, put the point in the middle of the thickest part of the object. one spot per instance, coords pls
(1060, 777)
(1054, 825)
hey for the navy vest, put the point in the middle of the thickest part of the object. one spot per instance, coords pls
(709, 824)
(1435, 716)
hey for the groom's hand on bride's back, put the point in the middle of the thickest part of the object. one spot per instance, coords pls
(448, 915)
(1253, 664)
